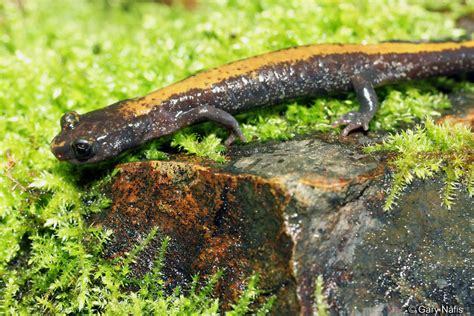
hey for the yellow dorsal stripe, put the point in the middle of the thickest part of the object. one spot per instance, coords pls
(206, 79)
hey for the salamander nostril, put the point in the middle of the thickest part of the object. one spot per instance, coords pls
(57, 152)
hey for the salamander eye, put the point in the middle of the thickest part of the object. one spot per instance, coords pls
(83, 149)
(69, 120)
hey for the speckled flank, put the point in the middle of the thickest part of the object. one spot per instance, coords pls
(264, 80)
(251, 67)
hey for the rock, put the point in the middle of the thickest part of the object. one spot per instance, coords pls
(329, 185)
(215, 221)
(252, 215)
(291, 211)
(463, 112)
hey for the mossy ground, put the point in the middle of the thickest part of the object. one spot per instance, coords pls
(57, 56)
(425, 151)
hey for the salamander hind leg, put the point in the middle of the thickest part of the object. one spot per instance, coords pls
(219, 116)
(368, 106)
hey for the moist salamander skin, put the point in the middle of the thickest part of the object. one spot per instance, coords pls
(263, 80)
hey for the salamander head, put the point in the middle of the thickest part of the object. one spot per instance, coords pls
(95, 136)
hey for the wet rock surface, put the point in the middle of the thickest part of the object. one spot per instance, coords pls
(294, 210)
(420, 255)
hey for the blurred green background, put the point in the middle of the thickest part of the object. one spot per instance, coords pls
(57, 56)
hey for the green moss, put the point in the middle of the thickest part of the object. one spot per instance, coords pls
(243, 305)
(426, 151)
(400, 104)
(69, 281)
(58, 56)
(209, 146)
(320, 300)
(407, 105)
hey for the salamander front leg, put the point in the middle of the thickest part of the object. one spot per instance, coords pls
(219, 116)
(368, 106)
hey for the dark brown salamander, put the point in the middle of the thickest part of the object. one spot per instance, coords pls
(264, 80)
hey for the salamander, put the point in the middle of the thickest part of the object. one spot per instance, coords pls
(264, 80)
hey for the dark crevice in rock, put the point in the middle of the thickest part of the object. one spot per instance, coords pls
(220, 216)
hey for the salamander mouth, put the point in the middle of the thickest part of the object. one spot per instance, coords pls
(59, 156)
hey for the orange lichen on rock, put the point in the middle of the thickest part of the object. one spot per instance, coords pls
(215, 221)
(327, 184)
(466, 119)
